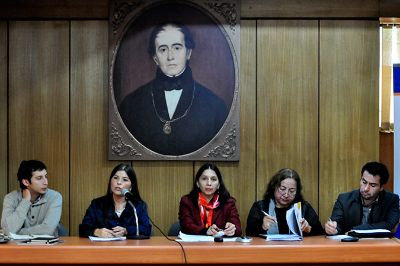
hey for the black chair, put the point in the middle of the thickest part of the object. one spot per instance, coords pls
(62, 231)
(174, 229)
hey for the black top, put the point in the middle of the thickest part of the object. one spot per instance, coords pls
(281, 217)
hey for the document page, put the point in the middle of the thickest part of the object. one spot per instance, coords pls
(368, 231)
(293, 218)
(201, 238)
(105, 239)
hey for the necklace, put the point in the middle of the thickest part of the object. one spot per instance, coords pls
(167, 128)
(119, 211)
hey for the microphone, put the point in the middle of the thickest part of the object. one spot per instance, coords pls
(129, 196)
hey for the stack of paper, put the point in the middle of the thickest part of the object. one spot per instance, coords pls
(30, 237)
(104, 239)
(283, 237)
(34, 239)
(200, 238)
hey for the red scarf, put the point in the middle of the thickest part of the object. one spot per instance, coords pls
(205, 206)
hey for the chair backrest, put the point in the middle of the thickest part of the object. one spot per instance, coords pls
(174, 229)
(62, 231)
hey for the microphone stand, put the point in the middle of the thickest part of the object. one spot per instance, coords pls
(137, 236)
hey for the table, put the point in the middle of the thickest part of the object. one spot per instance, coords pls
(316, 250)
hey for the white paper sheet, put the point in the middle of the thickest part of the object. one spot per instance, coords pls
(283, 237)
(369, 231)
(337, 237)
(105, 239)
(200, 238)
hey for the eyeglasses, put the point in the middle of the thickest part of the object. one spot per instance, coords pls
(283, 190)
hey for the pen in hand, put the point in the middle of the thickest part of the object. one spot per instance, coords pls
(331, 227)
(269, 216)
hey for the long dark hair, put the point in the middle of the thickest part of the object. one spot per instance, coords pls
(132, 176)
(275, 183)
(222, 191)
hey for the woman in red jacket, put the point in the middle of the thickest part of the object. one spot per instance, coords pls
(209, 208)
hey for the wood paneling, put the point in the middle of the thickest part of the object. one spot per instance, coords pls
(39, 101)
(3, 112)
(310, 9)
(386, 155)
(389, 8)
(287, 102)
(50, 9)
(92, 9)
(349, 130)
(161, 185)
(90, 169)
(240, 177)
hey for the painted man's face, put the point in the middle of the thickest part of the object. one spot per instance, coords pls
(171, 52)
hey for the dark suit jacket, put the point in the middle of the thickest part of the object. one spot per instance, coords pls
(190, 221)
(205, 117)
(347, 212)
(255, 219)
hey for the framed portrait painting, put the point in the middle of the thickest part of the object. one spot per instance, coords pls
(174, 80)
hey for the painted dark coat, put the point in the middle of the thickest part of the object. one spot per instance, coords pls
(199, 116)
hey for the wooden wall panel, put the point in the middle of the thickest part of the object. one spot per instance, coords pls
(73, 9)
(161, 185)
(98, 9)
(386, 155)
(310, 9)
(39, 101)
(3, 112)
(389, 8)
(240, 177)
(287, 102)
(349, 130)
(90, 169)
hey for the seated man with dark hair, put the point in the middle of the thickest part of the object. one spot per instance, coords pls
(369, 207)
(34, 208)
